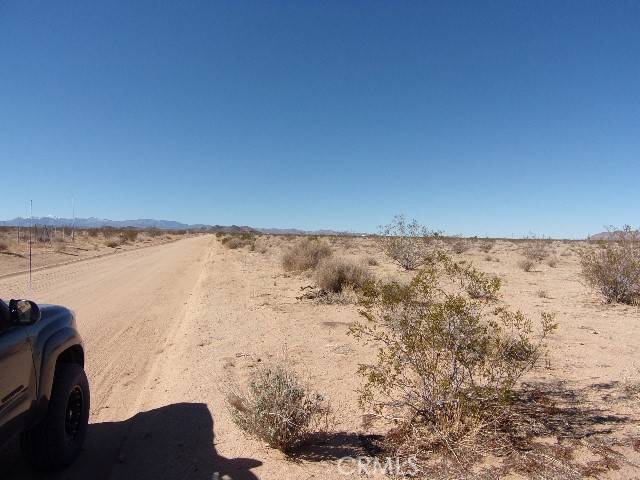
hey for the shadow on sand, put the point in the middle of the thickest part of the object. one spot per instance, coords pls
(171, 442)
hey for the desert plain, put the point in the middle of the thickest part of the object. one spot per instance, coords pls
(171, 327)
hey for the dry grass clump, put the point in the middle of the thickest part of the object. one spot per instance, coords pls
(334, 274)
(526, 264)
(542, 293)
(305, 254)
(260, 245)
(486, 245)
(239, 241)
(553, 261)
(536, 249)
(460, 246)
(129, 235)
(112, 243)
(108, 232)
(407, 243)
(233, 243)
(372, 261)
(278, 408)
(448, 362)
(613, 270)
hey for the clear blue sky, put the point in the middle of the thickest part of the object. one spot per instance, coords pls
(474, 117)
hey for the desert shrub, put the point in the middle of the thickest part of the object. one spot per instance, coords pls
(542, 293)
(333, 274)
(552, 261)
(526, 265)
(477, 284)
(446, 362)
(536, 249)
(372, 262)
(614, 270)
(487, 245)
(4, 246)
(93, 232)
(260, 245)
(129, 235)
(305, 254)
(278, 408)
(460, 246)
(153, 232)
(234, 242)
(347, 296)
(407, 243)
(108, 232)
(112, 243)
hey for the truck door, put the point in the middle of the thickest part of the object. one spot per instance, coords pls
(17, 379)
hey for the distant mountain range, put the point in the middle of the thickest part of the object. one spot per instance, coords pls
(93, 222)
(296, 231)
(608, 235)
(144, 223)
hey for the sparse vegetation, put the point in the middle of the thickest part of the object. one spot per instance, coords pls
(59, 245)
(334, 274)
(526, 264)
(372, 262)
(614, 269)
(460, 246)
(448, 362)
(553, 261)
(407, 243)
(487, 245)
(542, 293)
(278, 408)
(536, 249)
(4, 246)
(129, 235)
(233, 243)
(305, 254)
(260, 245)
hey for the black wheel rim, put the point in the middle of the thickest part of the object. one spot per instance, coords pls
(73, 418)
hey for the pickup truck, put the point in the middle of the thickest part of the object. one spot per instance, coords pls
(44, 392)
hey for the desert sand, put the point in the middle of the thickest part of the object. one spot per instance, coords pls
(170, 328)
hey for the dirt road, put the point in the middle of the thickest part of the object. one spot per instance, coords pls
(129, 308)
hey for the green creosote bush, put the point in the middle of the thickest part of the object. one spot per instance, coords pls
(449, 357)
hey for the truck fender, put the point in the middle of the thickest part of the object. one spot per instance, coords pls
(65, 344)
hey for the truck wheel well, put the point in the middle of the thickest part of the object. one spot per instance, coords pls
(73, 354)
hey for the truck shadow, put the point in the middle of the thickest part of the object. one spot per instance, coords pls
(171, 442)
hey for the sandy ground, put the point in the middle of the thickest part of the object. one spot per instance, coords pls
(169, 329)
(14, 249)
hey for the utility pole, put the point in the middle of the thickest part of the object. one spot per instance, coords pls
(30, 235)
(73, 222)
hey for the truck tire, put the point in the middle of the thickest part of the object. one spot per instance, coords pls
(57, 440)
